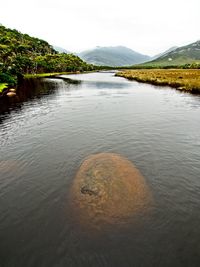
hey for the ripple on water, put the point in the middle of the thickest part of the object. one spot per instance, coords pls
(45, 137)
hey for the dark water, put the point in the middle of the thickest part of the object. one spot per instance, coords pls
(43, 140)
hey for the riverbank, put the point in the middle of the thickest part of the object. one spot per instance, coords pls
(49, 75)
(4, 87)
(6, 90)
(184, 80)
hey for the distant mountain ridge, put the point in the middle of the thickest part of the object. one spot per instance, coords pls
(61, 50)
(113, 56)
(187, 54)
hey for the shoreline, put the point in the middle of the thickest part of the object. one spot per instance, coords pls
(6, 88)
(182, 80)
(47, 75)
(54, 74)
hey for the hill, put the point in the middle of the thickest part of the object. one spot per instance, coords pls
(113, 56)
(22, 54)
(189, 54)
(165, 52)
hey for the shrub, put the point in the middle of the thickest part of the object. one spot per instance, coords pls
(6, 78)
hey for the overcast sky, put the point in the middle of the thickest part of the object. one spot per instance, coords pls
(146, 26)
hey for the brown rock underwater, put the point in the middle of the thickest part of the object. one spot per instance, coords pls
(108, 189)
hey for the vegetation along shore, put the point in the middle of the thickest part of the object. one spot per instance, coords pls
(185, 80)
(22, 55)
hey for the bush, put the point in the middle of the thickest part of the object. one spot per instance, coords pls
(6, 78)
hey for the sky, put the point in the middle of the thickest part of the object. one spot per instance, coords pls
(146, 26)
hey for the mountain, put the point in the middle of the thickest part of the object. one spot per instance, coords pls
(113, 56)
(188, 54)
(60, 49)
(165, 52)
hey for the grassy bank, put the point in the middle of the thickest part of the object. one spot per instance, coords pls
(45, 75)
(3, 86)
(186, 80)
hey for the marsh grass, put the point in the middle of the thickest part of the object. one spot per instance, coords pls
(186, 80)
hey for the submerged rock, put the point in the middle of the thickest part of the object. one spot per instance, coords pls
(108, 189)
(11, 94)
(12, 90)
(11, 167)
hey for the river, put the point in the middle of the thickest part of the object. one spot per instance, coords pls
(45, 137)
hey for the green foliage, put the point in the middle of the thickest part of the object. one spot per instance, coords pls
(60, 63)
(191, 66)
(18, 43)
(22, 54)
(8, 79)
(157, 66)
(3, 86)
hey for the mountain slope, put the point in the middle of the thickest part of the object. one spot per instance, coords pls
(165, 52)
(182, 55)
(15, 42)
(113, 56)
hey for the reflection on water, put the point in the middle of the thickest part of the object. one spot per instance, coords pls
(28, 89)
(45, 137)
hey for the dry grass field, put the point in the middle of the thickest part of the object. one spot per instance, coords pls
(186, 80)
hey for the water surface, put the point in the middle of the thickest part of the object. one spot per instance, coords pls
(59, 122)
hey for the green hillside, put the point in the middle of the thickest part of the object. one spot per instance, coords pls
(189, 54)
(22, 54)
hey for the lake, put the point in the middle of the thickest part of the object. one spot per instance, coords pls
(54, 126)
